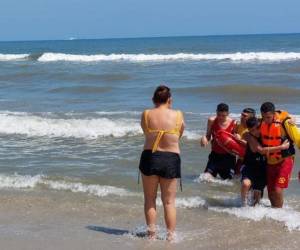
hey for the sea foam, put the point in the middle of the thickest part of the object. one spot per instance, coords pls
(33, 125)
(49, 125)
(237, 56)
(203, 178)
(13, 57)
(26, 181)
(288, 216)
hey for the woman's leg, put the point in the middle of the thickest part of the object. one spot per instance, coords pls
(168, 194)
(246, 184)
(150, 185)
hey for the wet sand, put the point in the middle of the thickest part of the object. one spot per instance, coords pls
(52, 220)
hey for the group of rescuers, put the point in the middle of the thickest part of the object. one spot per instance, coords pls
(268, 161)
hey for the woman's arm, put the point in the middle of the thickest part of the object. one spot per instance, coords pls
(182, 124)
(143, 125)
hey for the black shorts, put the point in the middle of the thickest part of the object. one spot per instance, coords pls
(222, 164)
(163, 164)
(257, 175)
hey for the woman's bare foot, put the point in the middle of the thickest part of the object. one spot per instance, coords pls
(170, 236)
(151, 232)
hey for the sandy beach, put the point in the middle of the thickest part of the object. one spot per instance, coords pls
(63, 221)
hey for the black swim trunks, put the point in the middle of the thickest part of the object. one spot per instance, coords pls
(222, 164)
(257, 176)
(163, 164)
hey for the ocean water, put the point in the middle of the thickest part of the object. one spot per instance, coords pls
(70, 110)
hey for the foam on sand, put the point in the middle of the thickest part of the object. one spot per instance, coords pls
(229, 205)
(232, 205)
(186, 202)
(288, 216)
(190, 202)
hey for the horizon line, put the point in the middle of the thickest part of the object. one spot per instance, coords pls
(151, 37)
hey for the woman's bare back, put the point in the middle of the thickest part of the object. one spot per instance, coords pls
(162, 119)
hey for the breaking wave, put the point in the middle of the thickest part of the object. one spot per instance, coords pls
(33, 125)
(74, 125)
(13, 57)
(89, 126)
(26, 181)
(238, 56)
(251, 56)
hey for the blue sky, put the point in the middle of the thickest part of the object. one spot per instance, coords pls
(62, 19)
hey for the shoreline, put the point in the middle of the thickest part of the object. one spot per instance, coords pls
(63, 220)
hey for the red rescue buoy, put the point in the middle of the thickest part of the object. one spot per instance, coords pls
(229, 143)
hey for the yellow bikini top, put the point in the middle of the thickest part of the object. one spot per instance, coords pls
(161, 132)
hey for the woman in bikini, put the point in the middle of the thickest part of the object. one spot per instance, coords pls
(160, 160)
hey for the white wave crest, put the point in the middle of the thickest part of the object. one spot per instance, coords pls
(32, 125)
(96, 190)
(26, 181)
(13, 57)
(248, 56)
(49, 125)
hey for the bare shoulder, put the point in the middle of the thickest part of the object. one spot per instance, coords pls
(173, 112)
(230, 119)
(144, 112)
(211, 119)
(178, 111)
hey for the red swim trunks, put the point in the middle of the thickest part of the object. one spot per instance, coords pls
(278, 175)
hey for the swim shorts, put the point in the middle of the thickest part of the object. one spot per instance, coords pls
(163, 164)
(278, 175)
(257, 175)
(222, 164)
